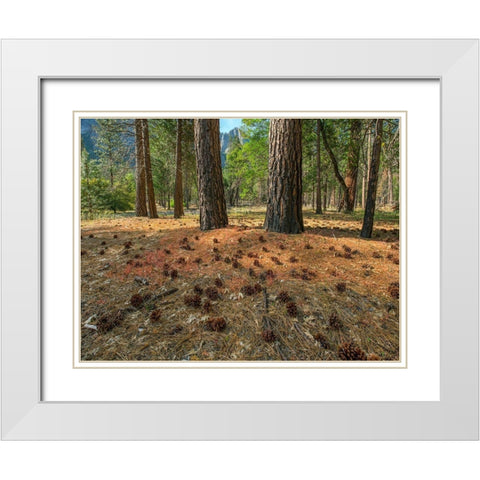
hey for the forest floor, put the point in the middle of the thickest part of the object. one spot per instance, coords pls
(162, 290)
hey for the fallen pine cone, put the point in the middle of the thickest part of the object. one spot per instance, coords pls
(155, 316)
(136, 300)
(292, 309)
(109, 321)
(268, 336)
(350, 351)
(284, 296)
(394, 290)
(193, 301)
(216, 324)
(335, 322)
(322, 339)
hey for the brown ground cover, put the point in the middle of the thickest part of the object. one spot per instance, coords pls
(162, 290)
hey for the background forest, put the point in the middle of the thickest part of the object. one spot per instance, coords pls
(108, 164)
(187, 245)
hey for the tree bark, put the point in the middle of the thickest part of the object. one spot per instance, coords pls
(351, 173)
(332, 156)
(211, 195)
(152, 208)
(367, 227)
(325, 188)
(141, 192)
(349, 183)
(367, 167)
(284, 204)
(178, 200)
(318, 207)
(390, 185)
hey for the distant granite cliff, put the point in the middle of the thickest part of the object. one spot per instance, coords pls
(89, 136)
(226, 141)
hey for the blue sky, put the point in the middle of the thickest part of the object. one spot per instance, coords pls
(226, 124)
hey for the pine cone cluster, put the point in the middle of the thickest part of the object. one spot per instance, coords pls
(218, 282)
(341, 287)
(276, 260)
(198, 289)
(308, 274)
(350, 351)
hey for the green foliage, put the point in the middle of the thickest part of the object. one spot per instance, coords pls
(121, 196)
(107, 182)
(93, 187)
(162, 152)
(246, 168)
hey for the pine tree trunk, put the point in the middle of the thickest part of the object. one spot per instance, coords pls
(318, 207)
(211, 195)
(325, 188)
(369, 162)
(178, 200)
(141, 192)
(187, 190)
(351, 173)
(367, 227)
(284, 204)
(152, 208)
(390, 185)
(364, 185)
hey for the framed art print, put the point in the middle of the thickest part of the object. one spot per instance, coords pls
(194, 249)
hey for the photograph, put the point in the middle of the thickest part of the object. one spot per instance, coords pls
(240, 239)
